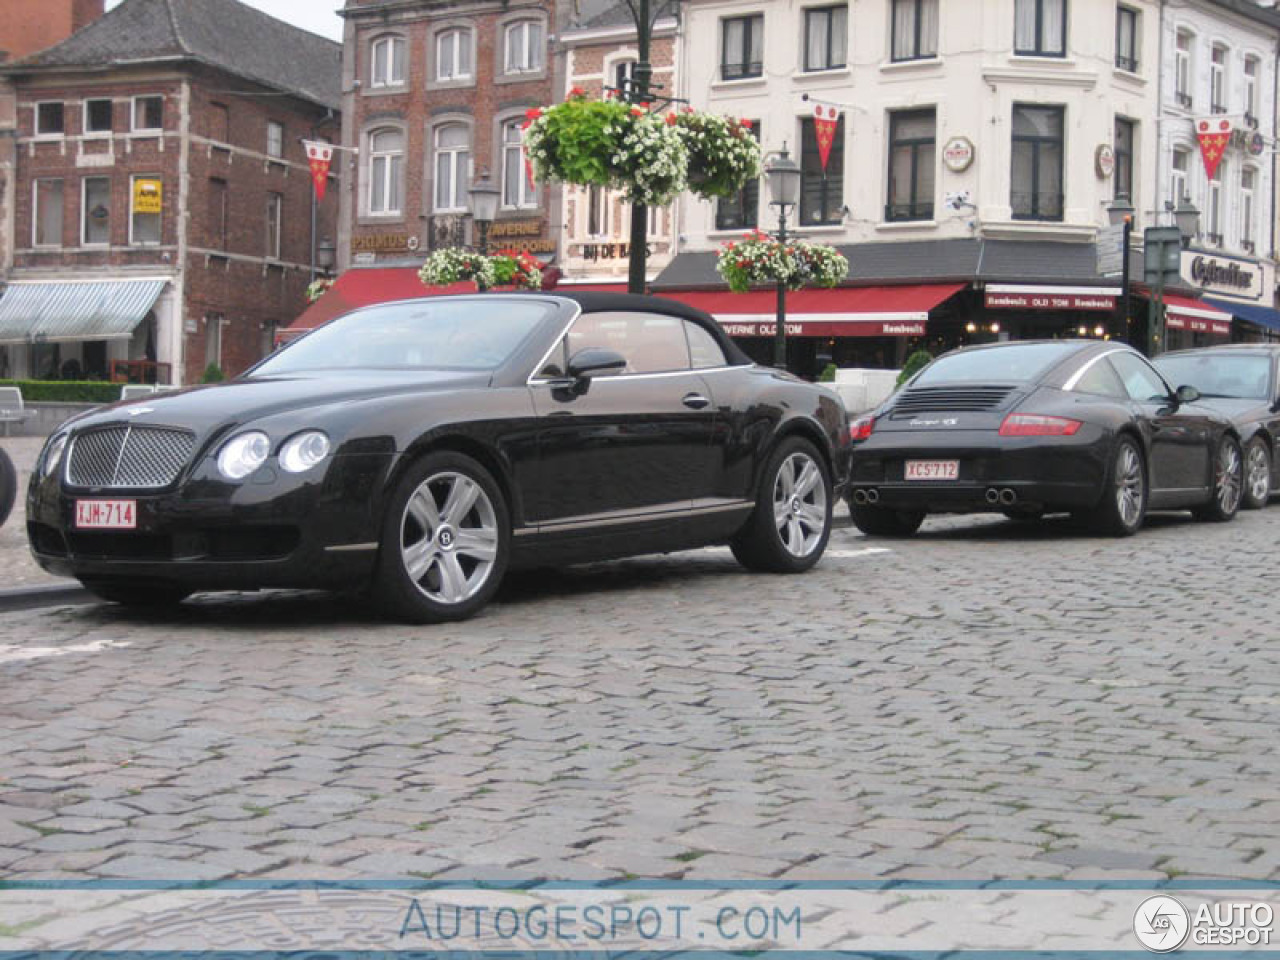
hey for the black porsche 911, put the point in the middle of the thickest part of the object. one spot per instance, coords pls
(1036, 427)
(425, 447)
(1242, 382)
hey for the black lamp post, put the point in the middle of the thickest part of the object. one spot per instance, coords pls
(484, 208)
(1163, 248)
(1121, 212)
(326, 255)
(1187, 218)
(784, 192)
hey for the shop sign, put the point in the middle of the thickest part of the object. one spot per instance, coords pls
(1104, 161)
(522, 235)
(148, 195)
(1177, 321)
(1049, 301)
(957, 154)
(606, 251)
(384, 243)
(826, 328)
(1241, 279)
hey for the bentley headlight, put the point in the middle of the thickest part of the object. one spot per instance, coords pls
(53, 454)
(305, 450)
(243, 454)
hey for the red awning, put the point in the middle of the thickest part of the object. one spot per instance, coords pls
(1186, 313)
(843, 312)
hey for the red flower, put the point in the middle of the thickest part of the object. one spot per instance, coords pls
(671, 119)
(646, 105)
(533, 113)
(608, 93)
(747, 123)
(688, 109)
(577, 92)
(637, 112)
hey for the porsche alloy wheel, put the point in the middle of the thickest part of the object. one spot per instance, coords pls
(1228, 482)
(1257, 462)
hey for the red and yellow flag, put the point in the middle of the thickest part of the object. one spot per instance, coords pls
(1213, 136)
(319, 156)
(825, 122)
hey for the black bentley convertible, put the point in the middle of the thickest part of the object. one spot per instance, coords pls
(425, 447)
(1240, 381)
(1028, 428)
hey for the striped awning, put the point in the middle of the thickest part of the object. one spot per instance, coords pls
(42, 312)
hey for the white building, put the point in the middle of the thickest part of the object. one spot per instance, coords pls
(980, 144)
(1219, 72)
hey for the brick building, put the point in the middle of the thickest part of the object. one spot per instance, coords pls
(434, 93)
(162, 203)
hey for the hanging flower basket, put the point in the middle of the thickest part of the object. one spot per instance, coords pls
(724, 155)
(507, 268)
(759, 260)
(607, 144)
(318, 288)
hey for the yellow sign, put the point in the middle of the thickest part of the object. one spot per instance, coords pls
(148, 195)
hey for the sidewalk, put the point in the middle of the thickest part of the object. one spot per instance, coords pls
(17, 569)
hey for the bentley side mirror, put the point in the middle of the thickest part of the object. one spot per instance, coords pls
(594, 361)
(1187, 394)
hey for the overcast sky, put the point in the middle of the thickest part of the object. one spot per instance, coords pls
(314, 15)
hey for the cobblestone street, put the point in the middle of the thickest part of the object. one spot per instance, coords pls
(986, 700)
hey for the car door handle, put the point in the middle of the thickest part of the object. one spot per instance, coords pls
(695, 401)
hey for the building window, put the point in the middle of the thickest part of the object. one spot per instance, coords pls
(1213, 218)
(623, 72)
(1178, 177)
(219, 123)
(597, 212)
(95, 211)
(148, 114)
(453, 167)
(275, 139)
(1218, 79)
(1036, 192)
(46, 214)
(386, 62)
(147, 200)
(1040, 28)
(275, 223)
(915, 30)
(1248, 194)
(524, 45)
(1252, 66)
(912, 141)
(821, 193)
(1127, 39)
(218, 213)
(386, 172)
(50, 119)
(742, 210)
(1182, 69)
(826, 32)
(97, 117)
(453, 55)
(213, 340)
(742, 47)
(517, 191)
(1124, 137)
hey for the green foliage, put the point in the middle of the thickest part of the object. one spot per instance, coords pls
(828, 374)
(65, 391)
(915, 363)
(585, 135)
(212, 374)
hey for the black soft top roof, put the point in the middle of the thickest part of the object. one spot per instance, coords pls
(595, 301)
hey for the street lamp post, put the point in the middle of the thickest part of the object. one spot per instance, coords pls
(484, 208)
(784, 192)
(1121, 212)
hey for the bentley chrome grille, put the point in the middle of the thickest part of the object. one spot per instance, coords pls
(129, 456)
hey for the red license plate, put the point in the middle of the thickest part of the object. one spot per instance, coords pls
(932, 470)
(106, 514)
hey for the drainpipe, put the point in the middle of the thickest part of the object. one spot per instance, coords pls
(1275, 160)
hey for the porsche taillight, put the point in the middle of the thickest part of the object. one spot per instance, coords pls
(1038, 425)
(861, 429)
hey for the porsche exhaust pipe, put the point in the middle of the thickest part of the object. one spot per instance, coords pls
(873, 495)
(993, 495)
(860, 497)
(1008, 496)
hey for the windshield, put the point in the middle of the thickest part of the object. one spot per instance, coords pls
(1219, 375)
(1020, 362)
(441, 334)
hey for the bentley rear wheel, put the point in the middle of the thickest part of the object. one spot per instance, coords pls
(445, 541)
(789, 528)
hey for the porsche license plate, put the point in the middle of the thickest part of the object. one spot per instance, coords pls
(106, 514)
(932, 470)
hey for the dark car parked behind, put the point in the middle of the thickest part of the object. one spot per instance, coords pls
(1029, 428)
(1242, 382)
(422, 448)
